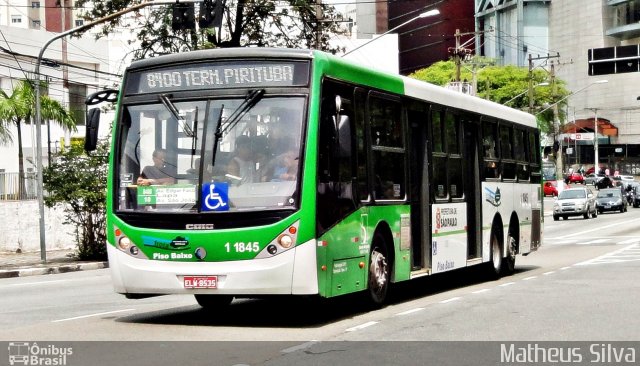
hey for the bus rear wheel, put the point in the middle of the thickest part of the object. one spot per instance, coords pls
(379, 273)
(496, 256)
(509, 263)
(213, 301)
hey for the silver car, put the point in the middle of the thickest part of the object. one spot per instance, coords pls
(592, 179)
(575, 202)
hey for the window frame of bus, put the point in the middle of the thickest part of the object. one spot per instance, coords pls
(446, 154)
(377, 150)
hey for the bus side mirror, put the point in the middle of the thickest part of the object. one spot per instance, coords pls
(91, 135)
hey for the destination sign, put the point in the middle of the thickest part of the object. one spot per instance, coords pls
(218, 75)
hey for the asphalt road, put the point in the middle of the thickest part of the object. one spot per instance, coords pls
(580, 286)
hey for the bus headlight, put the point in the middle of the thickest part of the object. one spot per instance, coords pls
(124, 243)
(284, 241)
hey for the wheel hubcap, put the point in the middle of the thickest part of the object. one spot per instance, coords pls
(378, 270)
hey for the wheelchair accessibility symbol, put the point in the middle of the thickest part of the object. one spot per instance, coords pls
(215, 197)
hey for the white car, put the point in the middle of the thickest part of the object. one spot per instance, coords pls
(575, 202)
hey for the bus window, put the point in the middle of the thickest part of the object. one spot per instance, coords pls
(436, 122)
(360, 97)
(489, 138)
(388, 149)
(335, 166)
(439, 173)
(451, 134)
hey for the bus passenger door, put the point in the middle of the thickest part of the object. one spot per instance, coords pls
(472, 188)
(419, 175)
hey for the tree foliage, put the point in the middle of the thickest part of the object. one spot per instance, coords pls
(79, 182)
(287, 23)
(506, 85)
(19, 107)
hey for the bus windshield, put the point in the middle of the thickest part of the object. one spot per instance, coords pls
(166, 160)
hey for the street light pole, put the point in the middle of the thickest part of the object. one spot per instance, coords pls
(38, 117)
(421, 15)
(596, 166)
(574, 93)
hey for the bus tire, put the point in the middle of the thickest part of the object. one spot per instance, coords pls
(379, 276)
(509, 262)
(495, 268)
(213, 301)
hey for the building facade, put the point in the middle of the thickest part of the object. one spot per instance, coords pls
(595, 40)
(426, 41)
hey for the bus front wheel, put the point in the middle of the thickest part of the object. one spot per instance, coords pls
(213, 301)
(379, 273)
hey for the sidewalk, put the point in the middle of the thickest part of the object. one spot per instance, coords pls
(30, 263)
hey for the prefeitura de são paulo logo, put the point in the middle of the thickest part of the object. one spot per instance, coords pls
(32, 354)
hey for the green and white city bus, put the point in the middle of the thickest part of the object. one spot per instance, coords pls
(253, 171)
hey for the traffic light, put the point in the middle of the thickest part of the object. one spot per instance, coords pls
(211, 12)
(183, 16)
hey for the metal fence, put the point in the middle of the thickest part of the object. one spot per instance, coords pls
(15, 187)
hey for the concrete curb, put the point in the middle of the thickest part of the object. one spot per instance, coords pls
(53, 269)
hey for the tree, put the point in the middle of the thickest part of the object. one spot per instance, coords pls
(79, 181)
(263, 23)
(505, 85)
(18, 107)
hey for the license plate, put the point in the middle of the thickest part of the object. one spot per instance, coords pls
(607, 206)
(200, 281)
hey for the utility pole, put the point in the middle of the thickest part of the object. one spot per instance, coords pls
(531, 67)
(457, 56)
(38, 119)
(556, 125)
(319, 19)
(460, 53)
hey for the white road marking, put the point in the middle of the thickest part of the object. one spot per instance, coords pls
(361, 326)
(507, 284)
(564, 268)
(410, 311)
(599, 228)
(548, 273)
(596, 241)
(481, 291)
(450, 300)
(529, 278)
(612, 256)
(92, 315)
(299, 347)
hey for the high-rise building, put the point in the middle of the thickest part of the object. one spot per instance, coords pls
(595, 40)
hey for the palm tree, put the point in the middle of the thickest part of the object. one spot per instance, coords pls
(19, 107)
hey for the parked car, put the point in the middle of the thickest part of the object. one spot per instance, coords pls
(593, 178)
(575, 202)
(550, 187)
(574, 178)
(611, 199)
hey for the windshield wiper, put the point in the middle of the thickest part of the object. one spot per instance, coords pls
(252, 98)
(164, 98)
(217, 135)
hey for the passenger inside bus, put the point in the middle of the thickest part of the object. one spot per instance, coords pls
(282, 167)
(158, 173)
(242, 167)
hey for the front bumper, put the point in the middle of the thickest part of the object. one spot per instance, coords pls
(293, 272)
